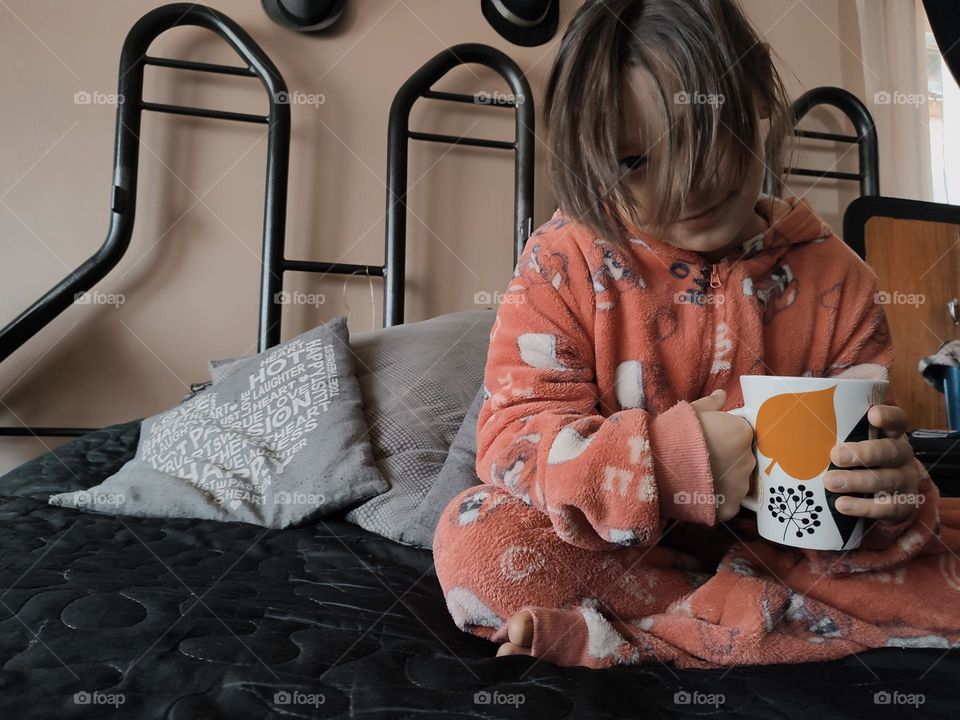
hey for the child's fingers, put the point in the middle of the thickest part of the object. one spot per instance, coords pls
(882, 452)
(892, 508)
(712, 402)
(891, 420)
(873, 480)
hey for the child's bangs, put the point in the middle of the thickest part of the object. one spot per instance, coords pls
(702, 119)
(705, 65)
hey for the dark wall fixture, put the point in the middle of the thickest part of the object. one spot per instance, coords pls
(523, 22)
(304, 15)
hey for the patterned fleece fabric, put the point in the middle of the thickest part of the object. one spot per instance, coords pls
(596, 511)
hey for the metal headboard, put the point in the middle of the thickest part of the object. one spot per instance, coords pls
(133, 61)
(866, 138)
(419, 86)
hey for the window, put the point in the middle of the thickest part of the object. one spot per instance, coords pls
(943, 106)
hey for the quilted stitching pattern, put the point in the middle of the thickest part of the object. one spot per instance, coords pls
(191, 618)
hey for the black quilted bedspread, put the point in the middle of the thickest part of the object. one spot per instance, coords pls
(109, 616)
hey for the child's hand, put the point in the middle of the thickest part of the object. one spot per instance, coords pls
(730, 442)
(889, 468)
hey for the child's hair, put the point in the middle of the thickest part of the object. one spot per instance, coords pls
(688, 46)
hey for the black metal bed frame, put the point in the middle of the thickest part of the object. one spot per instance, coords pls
(866, 138)
(419, 86)
(133, 61)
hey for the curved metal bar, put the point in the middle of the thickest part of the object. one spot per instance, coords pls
(419, 85)
(133, 59)
(866, 137)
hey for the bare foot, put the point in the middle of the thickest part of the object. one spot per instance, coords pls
(520, 632)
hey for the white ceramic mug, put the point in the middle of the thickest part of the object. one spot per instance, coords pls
(796, 422)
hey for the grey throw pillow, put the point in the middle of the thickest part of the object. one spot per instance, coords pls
(280, 440)
(459, 472)
(418, 380)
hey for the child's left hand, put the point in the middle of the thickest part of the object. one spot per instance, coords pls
(889, 467)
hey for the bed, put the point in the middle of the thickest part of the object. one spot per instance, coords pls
(153, 618)
(203, 619)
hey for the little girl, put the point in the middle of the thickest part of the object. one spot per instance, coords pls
(610, 469)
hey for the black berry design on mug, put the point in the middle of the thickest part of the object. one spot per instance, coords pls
(796, 509)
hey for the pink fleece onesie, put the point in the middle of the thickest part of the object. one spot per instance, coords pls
(591, 454)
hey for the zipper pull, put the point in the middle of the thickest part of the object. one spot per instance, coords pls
(714, 277)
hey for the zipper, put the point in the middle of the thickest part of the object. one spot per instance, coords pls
(716, 280)
(712, 323)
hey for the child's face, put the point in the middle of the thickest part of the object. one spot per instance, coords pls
(733, 219)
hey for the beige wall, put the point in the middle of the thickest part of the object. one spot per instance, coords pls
(190, 278)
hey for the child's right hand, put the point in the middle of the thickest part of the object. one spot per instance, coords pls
(730, 443)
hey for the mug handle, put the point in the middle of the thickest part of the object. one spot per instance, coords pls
(752, 501)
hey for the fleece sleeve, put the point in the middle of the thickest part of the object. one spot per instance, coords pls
(862, 348)
(604, 481)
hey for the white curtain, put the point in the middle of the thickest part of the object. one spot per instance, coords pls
(895, 79)
(950, 160)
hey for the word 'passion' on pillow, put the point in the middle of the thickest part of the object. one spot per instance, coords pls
(280, 440)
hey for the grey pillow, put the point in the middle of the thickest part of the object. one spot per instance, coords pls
(458, 473)
(418, 380)
(280, 440)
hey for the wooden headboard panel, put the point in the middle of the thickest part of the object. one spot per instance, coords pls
(917, 262)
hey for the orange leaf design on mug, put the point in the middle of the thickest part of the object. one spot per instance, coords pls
(798, 430)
